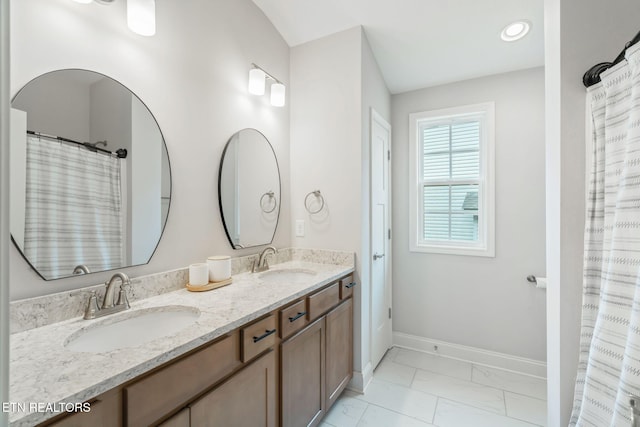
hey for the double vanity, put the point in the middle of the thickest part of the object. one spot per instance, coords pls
(274, 348)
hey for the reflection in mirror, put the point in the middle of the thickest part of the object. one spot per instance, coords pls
(249, 189)
(91, 182)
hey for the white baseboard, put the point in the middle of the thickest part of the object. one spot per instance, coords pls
(472, 354)
(361, 380)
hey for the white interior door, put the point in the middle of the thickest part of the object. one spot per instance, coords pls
(380, 238)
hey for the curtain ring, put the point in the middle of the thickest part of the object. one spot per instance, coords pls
(271, 196)
(318, 195)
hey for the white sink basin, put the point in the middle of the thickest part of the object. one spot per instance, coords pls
(287, 275)
(132, 328)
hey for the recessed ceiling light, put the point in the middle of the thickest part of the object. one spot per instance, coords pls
(515, 31)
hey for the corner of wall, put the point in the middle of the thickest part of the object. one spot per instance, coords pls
(4, 205)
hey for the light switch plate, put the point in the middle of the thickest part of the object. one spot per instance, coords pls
(300, 228)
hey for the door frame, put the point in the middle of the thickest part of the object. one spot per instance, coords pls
(375, 117)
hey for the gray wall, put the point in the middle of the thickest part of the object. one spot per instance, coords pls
(326, 148)
(334, 83)
(193, 76)
(51, 116)
(476, 301)
(580, 33)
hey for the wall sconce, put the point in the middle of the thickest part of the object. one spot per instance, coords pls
(141, 15)
(257, 81)
(257, 78)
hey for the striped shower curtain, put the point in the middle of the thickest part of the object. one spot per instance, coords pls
(73, 208)
(609, 366)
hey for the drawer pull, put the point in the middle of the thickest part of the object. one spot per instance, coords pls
(350, 285)
(297, 316)
(263, 336)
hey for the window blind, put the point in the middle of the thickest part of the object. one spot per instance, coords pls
(451, 180)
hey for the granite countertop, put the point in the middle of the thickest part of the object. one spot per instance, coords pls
(44, 371)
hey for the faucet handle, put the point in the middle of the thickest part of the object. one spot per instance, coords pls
(92, 306)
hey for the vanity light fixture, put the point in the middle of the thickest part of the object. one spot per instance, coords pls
(257, 82)
(141, 16)
(277, 94)
(515, 31)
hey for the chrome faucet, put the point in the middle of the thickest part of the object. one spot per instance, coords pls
(108, 306)
(261, 263)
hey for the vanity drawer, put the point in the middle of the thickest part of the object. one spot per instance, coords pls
(149, 399)
(322, 301)
(346, 287)
(106, 410)
(258, 337)
(293, 318)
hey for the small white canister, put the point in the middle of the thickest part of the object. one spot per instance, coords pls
(219, 268)
(198, 274)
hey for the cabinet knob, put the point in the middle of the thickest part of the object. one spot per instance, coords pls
(350, 285)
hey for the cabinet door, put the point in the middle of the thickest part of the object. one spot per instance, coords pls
(339, 354)
(247, 399)
(172, 387)
(303, 398)
(181, 419)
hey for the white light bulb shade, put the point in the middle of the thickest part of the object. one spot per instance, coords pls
(256, 81)
(83, 1)
(277, 94)
(141, 16)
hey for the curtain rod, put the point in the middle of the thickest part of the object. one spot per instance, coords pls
(592, 76)
(120, 153)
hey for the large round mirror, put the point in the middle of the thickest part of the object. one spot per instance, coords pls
(249, 189)
(90, 175)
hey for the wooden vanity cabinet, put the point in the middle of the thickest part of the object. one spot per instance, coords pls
(286, 368)
(302, 377)
(168, 389)
(181, 419)
(317, 362)
(339, 350)
(106, 410)
(247, 399)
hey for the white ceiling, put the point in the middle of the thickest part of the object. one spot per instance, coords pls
(421, 43)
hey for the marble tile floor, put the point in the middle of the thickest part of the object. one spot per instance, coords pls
(415, 389)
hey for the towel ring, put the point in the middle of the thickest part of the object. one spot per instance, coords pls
(271, 196)
(318, 195)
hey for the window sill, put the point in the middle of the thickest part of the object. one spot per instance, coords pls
(454, 250)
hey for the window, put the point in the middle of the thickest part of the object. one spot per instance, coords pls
(452, 181)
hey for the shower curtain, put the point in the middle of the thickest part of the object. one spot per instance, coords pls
(609, 366)
(73, 208)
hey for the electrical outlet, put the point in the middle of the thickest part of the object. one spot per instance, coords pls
(300, 228)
